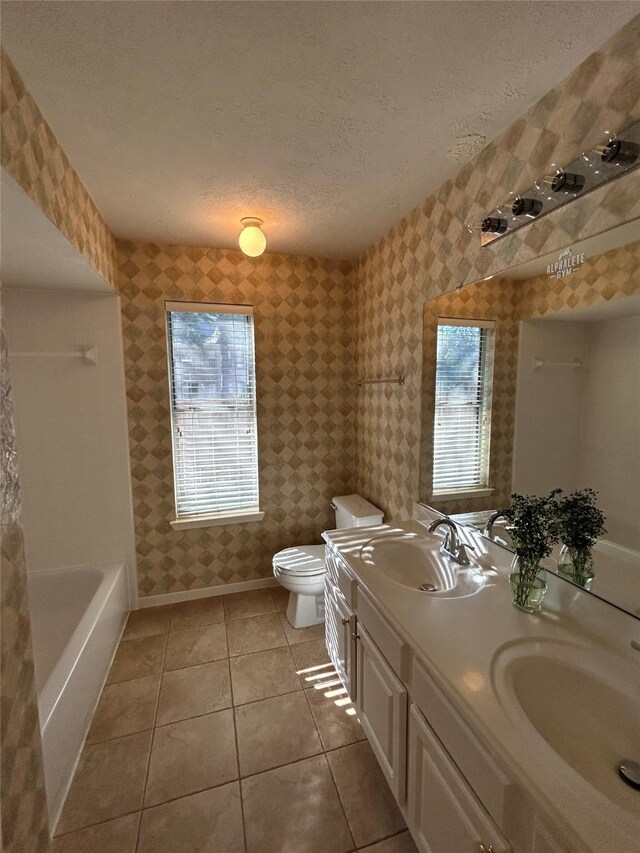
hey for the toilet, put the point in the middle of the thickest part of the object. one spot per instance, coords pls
(301, 569)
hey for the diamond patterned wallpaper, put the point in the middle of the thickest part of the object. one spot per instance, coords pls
(303, 311)
(32, 155)
(22, 795)
(608, 276)
(430, 252)
(600, 279)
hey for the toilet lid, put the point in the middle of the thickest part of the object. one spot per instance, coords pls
(301, 560)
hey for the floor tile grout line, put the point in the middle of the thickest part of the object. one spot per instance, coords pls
(171, 722)
(143, 637)
(184, 797)
(267, 649)
(405, 828)
(235, 735)
(241, 778)
(196, 627)
(314, 721)
(283, 617)
(92, 825)
(263, 589)
(272, 696)
(344, 809)
(138, 828)
(88, 742)
(153, 732)
(121, 737)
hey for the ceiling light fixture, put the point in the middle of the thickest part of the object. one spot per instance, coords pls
(252, 241)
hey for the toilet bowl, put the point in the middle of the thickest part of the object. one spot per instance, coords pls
(302, 569)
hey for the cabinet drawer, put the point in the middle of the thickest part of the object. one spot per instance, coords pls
(444, 814)
(485, 777)
(390, 644)
(341, 576)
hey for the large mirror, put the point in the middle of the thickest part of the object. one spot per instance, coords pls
(531, 381)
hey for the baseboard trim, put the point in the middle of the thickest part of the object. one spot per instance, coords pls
(205, 592)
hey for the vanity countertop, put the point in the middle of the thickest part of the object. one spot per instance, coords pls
(463, 642)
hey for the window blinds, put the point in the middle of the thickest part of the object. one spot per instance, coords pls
(213, 407)
(462, 427)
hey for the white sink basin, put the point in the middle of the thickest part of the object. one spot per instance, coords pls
(581, 704)
(415, 562)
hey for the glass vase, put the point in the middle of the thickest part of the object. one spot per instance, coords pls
(527, 580)
(576, 565)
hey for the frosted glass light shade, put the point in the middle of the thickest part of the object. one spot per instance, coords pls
(252, 241)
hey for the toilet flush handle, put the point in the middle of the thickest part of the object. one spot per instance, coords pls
(332, 505)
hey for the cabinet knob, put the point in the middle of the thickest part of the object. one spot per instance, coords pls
(485, 848)
(356, 636)
(345, 620)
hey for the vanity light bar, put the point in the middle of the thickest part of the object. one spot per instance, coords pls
(613, 157)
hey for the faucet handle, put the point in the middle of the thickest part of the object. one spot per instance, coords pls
(461, 553)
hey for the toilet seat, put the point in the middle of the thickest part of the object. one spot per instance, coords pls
(301, 561)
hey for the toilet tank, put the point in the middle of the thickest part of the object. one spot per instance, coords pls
(355, 511)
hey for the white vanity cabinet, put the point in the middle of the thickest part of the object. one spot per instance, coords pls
(443, 812)
(460, 788)
(374, 664)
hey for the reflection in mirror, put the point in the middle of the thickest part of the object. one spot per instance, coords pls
(531, 382)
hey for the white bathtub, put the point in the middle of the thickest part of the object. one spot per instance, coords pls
(617, 570)
(77, 616)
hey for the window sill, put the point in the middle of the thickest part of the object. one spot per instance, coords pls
(462, 493)
(216, 520)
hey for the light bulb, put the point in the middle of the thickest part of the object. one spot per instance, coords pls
(505, 205)
(616, 151)
(611, 154)
(525, 206)
(556, 181)
(489, 225)
(252, 241)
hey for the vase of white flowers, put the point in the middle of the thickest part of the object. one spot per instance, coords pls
(579, 524)
(532, 528)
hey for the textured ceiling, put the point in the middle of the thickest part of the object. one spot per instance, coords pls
(330, 120)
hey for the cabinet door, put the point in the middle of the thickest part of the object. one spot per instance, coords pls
(340, 627)
(381, 700)
(445, 816)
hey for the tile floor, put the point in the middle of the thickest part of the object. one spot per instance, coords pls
(222, 729)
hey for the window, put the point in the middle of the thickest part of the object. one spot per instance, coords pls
(462, 426)
(213, 412)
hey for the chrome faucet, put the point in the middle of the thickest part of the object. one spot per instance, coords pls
(488, 528)
(451, 547)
